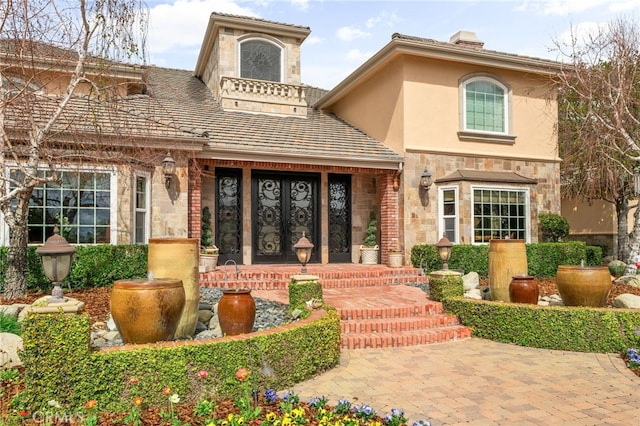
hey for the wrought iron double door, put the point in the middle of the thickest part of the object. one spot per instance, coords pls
(284, 206)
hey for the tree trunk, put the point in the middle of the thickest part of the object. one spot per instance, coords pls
(633, 244)
(15, 282)
(622, 213)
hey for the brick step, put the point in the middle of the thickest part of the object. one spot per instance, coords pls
(391, 312)
(388, 325)
(405, 338)
(326, 283)
(267, 278)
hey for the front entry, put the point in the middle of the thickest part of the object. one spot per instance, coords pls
(284, 205)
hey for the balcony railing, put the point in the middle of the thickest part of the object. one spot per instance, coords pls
(262, 96)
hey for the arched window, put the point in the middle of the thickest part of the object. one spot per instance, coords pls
(260, 60)
(485, 105)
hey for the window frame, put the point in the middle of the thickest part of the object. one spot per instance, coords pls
(113, 199)
(527, 208)
(456, 215)
(467, 133)
(253, 37)
(146, 210)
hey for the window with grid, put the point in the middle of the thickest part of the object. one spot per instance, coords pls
(260, 60)
(499, 214)
(141, 210)
(449, 213)
(80, 205)
(485, 106)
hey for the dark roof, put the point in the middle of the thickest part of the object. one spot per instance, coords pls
(319, 138)
(429, 41)
(484, 176)
(251, 18)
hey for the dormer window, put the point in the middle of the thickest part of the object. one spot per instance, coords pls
(260, 60)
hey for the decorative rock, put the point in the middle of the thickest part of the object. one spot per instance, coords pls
(11, 344)
(296, 313)
(204, 316)
(631, 280)
(200, 327)
(208, 334)
(12, 310)
(627, 300)
(473, 294)
(486, 293)
(470, 281)
(111, 324)
(204, 306)
(111, 336)
(214, 322)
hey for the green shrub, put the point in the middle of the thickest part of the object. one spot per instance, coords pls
(543, 259)
(9, 324)
(370, 239)
(617, 268)
(443, 287)
(302, 291)
(576, 329)
(93, 266)
(553, 226)
(60, 365)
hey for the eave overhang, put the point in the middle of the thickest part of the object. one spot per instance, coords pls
(443, 51)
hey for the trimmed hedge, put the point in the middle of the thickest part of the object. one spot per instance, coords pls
(445, 287)
(542, 258)
(60, 365)
(577, 329)
(93, 266)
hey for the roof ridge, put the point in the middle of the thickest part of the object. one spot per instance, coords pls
(253, 18)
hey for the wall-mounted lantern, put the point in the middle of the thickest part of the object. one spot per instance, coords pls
(303, 250)
(425, 180)
(636, 180)
(56, 255)
(444, 251)
(168, 169)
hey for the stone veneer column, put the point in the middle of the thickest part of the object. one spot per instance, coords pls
(389, 219)
(195, 203)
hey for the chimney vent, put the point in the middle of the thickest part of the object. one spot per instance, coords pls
(466, 39)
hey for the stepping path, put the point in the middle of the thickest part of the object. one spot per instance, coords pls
(476, 381)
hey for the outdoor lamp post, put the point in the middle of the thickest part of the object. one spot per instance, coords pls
(57, 255)
(303, 251)
(444, 250)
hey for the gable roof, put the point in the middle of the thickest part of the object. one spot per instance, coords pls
(217, 21)
(427, 48)
(319, 139)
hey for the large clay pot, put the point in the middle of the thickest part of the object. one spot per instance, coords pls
(507, 258)
(583, 285)
(236, 311)
(178, 258)
(147, 311)
(524, 289)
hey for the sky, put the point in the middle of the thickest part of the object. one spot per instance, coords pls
(345, 33)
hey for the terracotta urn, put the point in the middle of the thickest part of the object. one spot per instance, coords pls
(583, 285)
(524, 289)
(147, 311)
(236, 311)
